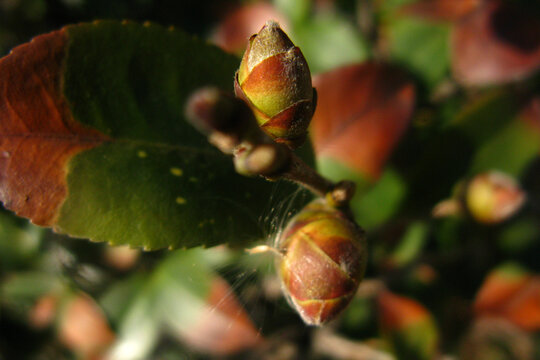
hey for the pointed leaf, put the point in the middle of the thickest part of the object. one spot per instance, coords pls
(93, 140)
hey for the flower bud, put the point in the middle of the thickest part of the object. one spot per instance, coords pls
(323, 262)
(493, 197)
(274, 79)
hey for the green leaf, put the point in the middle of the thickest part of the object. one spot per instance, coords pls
(485, 115)
(519, 235)
(373, 204)
(21, 290)
(421, 46)
(411, 245)
(175, 297)
(381, 202)
(19, 241)
(329, 40)
(296, 10)
(103, 120)
(174, 290)
(511, 150)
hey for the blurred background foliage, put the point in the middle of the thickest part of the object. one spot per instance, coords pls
(440, 100)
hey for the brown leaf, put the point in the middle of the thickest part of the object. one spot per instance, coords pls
(498, 43)
(446, 10)
(362, 112)
(234, 31)
(223, 328)
(37, 133)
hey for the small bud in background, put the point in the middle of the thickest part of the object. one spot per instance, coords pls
(231, 126)
(323, 262)
(493, 197)
(274, 79)
(263, 159)
(225, 119)
(489, 198)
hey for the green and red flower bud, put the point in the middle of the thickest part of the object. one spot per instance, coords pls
(493, 197)
(323, 262)
(489, 198)
(274, 79)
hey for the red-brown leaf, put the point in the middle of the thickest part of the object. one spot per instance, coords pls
(37, 133)
(362, 112)
(496, 44)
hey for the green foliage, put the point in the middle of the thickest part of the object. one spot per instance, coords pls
(422, 47)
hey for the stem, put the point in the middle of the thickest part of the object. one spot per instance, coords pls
(230, 125)
(336, 194)
(301, 173)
